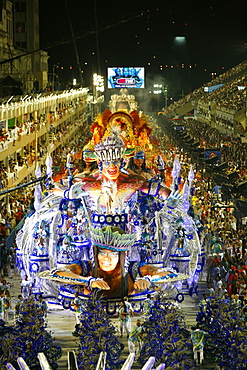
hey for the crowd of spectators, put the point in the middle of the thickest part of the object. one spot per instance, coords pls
(30, 155)
(10, 136)
(16, 204)
(226, 124)
(209, 137)
(223, 236)
(236, 101)
(233, 151)
(232, 79)
(228, 96)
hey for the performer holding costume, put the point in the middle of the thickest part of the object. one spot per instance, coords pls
(137, 166)
(109, 271)
(135, 338)
(110, 153)
(88, 164)
(197, 337)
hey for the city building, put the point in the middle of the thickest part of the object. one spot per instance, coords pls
(23, 66)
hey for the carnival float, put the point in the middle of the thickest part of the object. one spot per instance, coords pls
(113, 225)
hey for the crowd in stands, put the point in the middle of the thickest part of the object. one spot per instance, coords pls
(10, 136)
(223, 236)
(225, 78)
(233, 151)
(209, 137)
(20, 200)
(3, 176)
(30, 155)
(236, 101)
(228, 96)
(226, 124)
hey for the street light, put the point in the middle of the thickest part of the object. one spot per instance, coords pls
(180, 40)
(98, 82)
(159, 89)
(166, 95)
(98, 86)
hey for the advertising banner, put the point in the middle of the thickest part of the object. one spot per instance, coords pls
(125, 77)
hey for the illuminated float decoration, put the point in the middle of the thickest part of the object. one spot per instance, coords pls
(111, 215)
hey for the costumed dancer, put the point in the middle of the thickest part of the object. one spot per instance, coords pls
(137, 166)
(6, 305)
(147, 305)
(197, 337)
(124, 318)
(18, 307)
(42, 306)
(2, 306)
(110, 270)
(78, 304)
(135, 338)
(89, 163)
(130, 309)
(26, 286)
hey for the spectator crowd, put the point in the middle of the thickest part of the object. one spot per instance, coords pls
(229, 96)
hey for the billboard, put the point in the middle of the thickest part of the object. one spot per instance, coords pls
(179, 127)
(210, 89)
(212, 153)
(125, 77)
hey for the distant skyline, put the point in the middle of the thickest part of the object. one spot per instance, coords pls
(142, 33)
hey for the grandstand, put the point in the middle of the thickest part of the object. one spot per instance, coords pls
(228, 90)
(220, 103)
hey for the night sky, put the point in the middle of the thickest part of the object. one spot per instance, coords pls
(215, 31)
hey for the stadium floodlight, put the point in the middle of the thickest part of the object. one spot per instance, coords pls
(180, 40)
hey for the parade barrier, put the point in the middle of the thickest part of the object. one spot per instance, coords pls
(101, 362)
(72, 363)
(128, 363)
